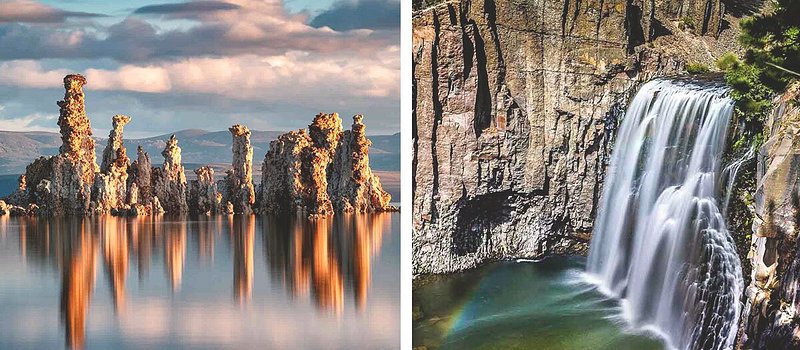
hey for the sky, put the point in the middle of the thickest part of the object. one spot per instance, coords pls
(201, 64)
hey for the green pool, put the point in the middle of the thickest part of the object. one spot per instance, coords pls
(520, 305)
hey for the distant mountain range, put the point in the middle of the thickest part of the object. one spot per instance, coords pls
(199, 147)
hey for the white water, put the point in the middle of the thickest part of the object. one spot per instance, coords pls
(660, 242)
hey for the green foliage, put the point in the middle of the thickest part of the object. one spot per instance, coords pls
(696, 68)
(686, 23)
(770, 63)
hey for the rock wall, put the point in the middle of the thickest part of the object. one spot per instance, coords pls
(307, 172)
(771, 319)
(515, 107)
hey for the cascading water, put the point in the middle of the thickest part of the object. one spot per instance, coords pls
(660, 242)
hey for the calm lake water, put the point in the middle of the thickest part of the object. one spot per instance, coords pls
(520, 305)
(200, 282)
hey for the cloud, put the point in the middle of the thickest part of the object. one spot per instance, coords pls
(248, 77)
(254, 27)
(360, 14)
(186, 8)
(32, 122)
(27, 11)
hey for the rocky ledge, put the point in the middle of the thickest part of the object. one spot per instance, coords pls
(315, 173)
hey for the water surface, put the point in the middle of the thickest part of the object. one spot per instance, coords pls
(521, 305)
(200, 282)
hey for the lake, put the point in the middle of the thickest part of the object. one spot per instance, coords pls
(545, 305)
(200, 282)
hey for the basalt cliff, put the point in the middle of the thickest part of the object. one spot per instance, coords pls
(315, 173)
(515, 107)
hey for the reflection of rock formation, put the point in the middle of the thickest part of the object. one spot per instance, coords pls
(239, 180)
(78, 276)
(174, 251)
(306, 172)
(326, 277)
(243, 232)
(367, 240)
(316, 258)
(115, 253)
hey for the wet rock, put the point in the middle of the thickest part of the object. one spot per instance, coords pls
(239, 180)
(770, 316)
(170, 180)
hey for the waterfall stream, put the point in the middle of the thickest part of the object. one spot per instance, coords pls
(660, 242)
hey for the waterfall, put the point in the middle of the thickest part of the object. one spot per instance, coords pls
(660, 243)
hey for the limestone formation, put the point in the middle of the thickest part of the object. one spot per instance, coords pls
(306, 173)
(771, 315)
(283, 182)
(170, 180)
(141, 179)
(239, 180)
(515, 105)
(352, 185)
(204, 197)
(110, 189)
(297, 171)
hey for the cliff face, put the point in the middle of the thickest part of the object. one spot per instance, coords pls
(515, 107)
(770, 316)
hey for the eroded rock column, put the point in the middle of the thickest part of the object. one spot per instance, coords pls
(352, 184)
(170, 180)
(111, 184)
(239, 180)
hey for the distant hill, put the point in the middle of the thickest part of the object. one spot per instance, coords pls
(18, 149)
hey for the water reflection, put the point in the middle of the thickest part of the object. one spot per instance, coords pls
(326, 263)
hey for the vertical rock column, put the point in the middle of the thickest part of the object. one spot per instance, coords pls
(283, 185)
(239, 181)
(352, 185)
(111, 184)
(68, 190)
(170, 180)
(325, 132)
(203, 192)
